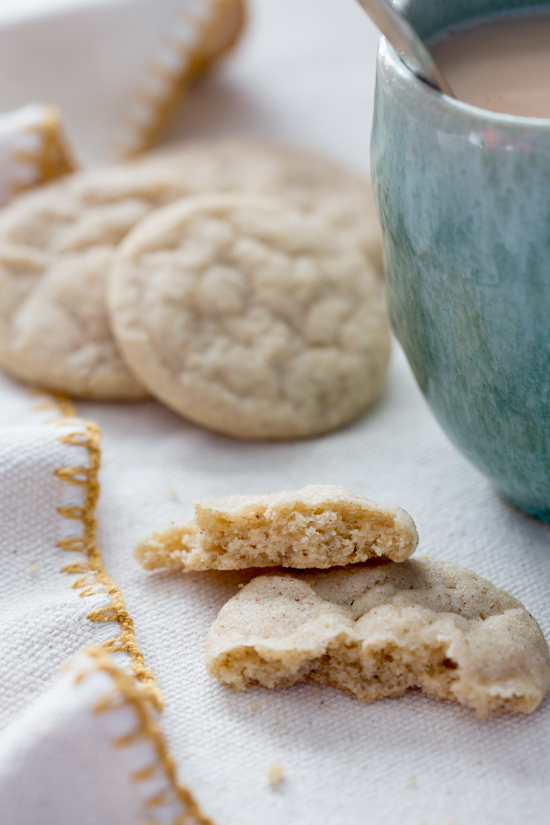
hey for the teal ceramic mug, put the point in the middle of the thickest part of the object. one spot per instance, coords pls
(464, 200)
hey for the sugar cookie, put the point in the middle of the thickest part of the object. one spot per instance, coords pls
(56, 249)
(57, 244)
(319, 526)
(377, 629)
(313, 183)
(248, 317)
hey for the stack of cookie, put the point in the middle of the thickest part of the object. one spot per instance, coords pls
(374, 625)
(236, 282)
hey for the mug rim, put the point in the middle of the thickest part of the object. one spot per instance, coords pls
(448, 105)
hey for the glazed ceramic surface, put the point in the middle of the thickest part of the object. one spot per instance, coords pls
(464, 200)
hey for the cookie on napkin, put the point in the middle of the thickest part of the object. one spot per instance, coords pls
(57, 247)
(250, 318)
(56, 251)
(318, 526)
(381, 628)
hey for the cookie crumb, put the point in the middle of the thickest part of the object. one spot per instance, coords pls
(33, 568)
(412, 782)
(254, 706)
(275, 774)
(173, 494)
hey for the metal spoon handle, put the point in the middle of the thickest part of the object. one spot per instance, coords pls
(410, 48)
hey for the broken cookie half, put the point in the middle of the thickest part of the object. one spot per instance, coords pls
(319, 526)
(377, 629)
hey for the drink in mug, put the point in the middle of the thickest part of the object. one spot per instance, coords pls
(463, 195)
(501, 64)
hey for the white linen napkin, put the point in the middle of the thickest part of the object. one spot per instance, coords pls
(113, 68)
(89, 750)
(33, 149)
(83, 748)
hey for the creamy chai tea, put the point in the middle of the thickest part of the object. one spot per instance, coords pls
(502, 65)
